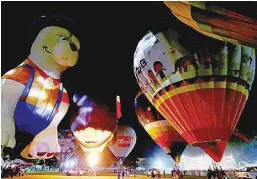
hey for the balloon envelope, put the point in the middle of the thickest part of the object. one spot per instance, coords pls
(159, 129)
(213, 20)
(93, 124)
(124, 141)
(201, 93)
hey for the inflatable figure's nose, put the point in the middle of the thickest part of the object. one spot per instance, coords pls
(73, 47)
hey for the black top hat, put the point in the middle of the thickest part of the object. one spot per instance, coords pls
(53, 20)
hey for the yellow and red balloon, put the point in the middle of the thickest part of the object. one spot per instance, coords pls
(159, 129)
(201, 93)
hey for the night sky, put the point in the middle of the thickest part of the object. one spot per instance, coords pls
(109, 34)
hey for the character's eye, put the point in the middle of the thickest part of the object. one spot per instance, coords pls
(61, 38)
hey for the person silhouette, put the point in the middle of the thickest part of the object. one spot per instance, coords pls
(158, 68)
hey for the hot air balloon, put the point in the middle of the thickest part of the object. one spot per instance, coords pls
(123, 142)
(93, 124)
(201, 93)
(68, 145)
(159, 128)
(213, 20)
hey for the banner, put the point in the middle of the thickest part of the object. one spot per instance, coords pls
(124, 141)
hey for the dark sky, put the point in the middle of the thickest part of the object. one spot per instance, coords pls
(110, 32)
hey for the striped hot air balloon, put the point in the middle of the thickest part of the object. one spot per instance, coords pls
(159, 129)
(201, 93)
(213, 20)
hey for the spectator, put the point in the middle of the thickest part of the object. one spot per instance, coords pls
(209, 174)
(123, 174)
(127, 174)
(172, 173)
(152, 175)
(118, 174)
(158, 174)
(180, 175)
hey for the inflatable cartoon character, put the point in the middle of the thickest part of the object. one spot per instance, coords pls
(33, 98)
(93, 124)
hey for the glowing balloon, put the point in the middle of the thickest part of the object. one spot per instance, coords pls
(202, 94)
(215, 21)
(92, 158)
(159, 128)
(124, 142)
(93, 124)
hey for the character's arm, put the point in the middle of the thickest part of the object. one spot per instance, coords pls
(10, 94)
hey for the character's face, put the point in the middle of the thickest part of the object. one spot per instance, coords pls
(93, 124)
(60, 44)
(93, 138)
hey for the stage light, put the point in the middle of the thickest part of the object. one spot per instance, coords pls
(159, 164)
(72, 163)
(92, 159)
(66, 164)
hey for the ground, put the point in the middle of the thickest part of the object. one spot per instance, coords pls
(86, 177)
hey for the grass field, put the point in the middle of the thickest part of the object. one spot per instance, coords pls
(87, 177)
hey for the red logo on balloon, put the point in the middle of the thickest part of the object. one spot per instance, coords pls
(124, 141)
